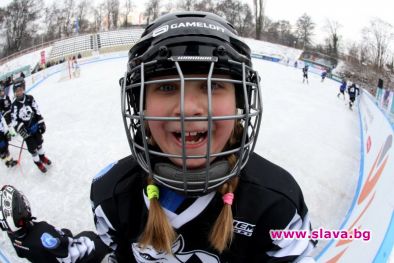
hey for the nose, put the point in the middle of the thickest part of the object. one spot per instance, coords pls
(195, 101)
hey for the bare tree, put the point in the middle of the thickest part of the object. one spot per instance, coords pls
(2, 14)
(304, 30)
(19, 23)
(55, 21)
(187, 5)
(81, 15)
(377, 37)
(112, 13)
(229, 9)
(98, 12)
(152, 10)
(259, 16)
(332, 27)
(237, 13)
(68, 13)
(244, 22)
(205, 5)
(127, 7)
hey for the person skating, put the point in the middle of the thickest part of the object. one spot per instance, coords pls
(5, 136)
(305, 74)
(29, 123)
(353, 91)
(342, 89)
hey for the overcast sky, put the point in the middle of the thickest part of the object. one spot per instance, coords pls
(353, 15)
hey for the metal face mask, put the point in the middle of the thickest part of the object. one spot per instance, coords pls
(205, 54)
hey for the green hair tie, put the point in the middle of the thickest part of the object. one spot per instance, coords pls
(153, 191)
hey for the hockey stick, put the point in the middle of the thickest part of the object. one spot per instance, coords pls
(16, 146)
(20, 152)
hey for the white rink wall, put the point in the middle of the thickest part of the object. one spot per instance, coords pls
(373, 204)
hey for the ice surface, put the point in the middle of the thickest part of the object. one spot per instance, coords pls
(305, 129)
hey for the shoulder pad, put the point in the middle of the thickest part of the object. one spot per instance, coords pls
(264, 174)
(111, 179)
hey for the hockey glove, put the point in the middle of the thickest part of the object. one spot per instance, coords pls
(45, 243)
(41, 127)
(23, 132)
(10, 133)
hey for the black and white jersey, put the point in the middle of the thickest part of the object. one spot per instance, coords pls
(353, 90)
(5, 108)
(25, 112)
(267, 198)
(3, 126)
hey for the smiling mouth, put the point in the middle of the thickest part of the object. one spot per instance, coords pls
(193, 137)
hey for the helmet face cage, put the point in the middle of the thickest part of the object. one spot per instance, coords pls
(135, 125)
(249, 111)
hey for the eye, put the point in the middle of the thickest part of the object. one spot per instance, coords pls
(167, 88)
(214, 86)
(217, 85)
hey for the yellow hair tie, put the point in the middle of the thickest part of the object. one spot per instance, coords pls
(153, 191)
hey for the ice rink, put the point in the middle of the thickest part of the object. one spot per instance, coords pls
(305, 129)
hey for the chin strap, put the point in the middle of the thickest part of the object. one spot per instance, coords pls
(173, 176)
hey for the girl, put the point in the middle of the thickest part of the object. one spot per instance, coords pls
(193, 190)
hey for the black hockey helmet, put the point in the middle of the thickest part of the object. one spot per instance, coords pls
(181, 44)
(14, 210)
(19, 82)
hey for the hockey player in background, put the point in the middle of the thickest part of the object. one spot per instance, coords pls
(342, 89)
(5, 135)
(6, 132)
(29, 124)
(323, 75)
(305, 74)
(5, 105)
(186, 192)
(353, 91)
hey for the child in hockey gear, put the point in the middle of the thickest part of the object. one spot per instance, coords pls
(5, 105)
(305, 74)
(5, 136)
(191, 107)
(75, 68)
(342, 89)
(28, 122)
(353, 91)
(323, 75)
(40, 242)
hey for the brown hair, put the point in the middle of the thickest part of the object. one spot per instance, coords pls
(158, 231)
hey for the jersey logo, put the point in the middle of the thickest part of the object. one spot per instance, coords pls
(149, 254)
(25, 113)
(243, 228)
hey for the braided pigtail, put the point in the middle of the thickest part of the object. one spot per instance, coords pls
(158, 231)
(222, 231)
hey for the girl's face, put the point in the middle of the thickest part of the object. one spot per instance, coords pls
(163, 99)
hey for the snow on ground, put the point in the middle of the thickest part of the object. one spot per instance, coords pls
(305, 128)
(274, 50)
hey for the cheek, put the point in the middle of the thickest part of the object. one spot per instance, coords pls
(224, 106)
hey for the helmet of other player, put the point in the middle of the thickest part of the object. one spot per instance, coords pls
(14, 210)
